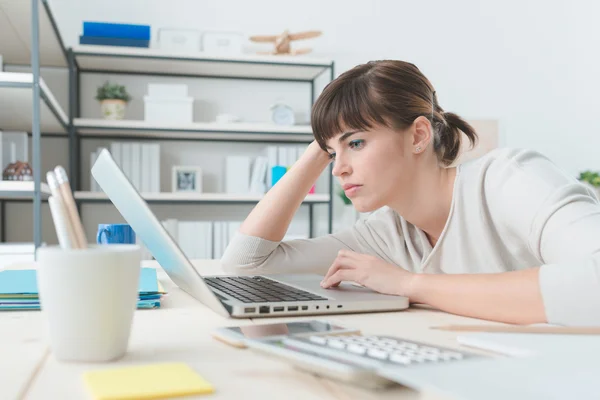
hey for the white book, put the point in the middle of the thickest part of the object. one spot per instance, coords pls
(115, 151)
(257, 179)
(224, 237)
(237, 174)
(126, 159)
(185, 233)
(146, 168)
(282, 156)
(216, 240)
(170, 226)
(208, 237)
(272, 162)
(204, 235)
(93, 183)
(292, 155)
(155, 167)
(301, 150)
(233, 227)
(136, 164)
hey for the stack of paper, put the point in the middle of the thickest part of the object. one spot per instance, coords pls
(18, 290)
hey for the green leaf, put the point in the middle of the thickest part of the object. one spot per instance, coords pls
(112, 91)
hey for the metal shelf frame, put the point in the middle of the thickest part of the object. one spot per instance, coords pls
(77, 127)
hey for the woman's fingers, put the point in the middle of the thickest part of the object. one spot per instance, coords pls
(337, 265)
(339, 276)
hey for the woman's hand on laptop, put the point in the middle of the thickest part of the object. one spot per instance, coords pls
(368, 271)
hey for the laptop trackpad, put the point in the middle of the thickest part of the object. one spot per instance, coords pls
(345, 291)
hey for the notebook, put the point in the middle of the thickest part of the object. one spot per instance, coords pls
(529, 344)
(152, 381)
(563, 375)
(18, 290)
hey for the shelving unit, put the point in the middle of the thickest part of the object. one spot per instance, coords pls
(22, 190)
(206, 198)
(29, 38)
(152, 62)
(102, 129)
(16, 105)
(158, 62)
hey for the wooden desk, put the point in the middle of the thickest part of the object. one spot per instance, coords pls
(180, 331)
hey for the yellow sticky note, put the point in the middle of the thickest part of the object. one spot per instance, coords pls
(153, 381)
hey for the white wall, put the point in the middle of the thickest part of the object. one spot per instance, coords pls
(531, 64)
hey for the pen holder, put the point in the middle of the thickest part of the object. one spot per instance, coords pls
(88, 297)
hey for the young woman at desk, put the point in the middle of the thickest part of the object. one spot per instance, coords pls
(507, 237)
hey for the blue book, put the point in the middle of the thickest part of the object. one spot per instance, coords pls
(114, 30)
(106, 41)
(23, 283)
(277, 173)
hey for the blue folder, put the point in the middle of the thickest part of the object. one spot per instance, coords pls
(115, 30)
(107, 41)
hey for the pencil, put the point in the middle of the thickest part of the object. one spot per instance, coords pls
(59, 214)
(69, 205)
(566, 330)
(62, 227)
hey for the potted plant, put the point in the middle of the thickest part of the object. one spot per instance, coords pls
(113, 98)
(349, 213)
(591, 179)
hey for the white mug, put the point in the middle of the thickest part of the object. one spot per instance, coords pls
(88, 297)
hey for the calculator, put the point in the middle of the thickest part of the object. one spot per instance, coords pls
(356, 358)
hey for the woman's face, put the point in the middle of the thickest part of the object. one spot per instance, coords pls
(375, 168)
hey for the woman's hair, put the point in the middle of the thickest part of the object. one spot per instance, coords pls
(388, 93)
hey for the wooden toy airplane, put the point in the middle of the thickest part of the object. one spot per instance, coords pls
(282, 42)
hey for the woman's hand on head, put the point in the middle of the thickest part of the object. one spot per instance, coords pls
(315, 151)
(368, 271)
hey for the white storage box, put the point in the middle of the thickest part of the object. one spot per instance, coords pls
(179, 40)
(220, 43)
(175, 110)
(167, 90)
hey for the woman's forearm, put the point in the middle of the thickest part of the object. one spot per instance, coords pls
(512, 297)
(271, 217)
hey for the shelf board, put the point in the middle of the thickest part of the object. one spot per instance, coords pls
(15, 31)
(16, 105)
(197, 130)
(168, 197)
(21, 190)
(155, 61)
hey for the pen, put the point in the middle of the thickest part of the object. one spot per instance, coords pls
(63, 229)
(69, 205)
(61, 216)
(566, 330)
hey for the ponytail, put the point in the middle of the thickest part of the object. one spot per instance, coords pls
(448, 135)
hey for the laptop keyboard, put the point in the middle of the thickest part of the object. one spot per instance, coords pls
(258, 289)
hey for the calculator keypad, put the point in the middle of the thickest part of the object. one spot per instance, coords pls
(372, 349)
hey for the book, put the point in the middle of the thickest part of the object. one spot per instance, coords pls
(116, 30)
(18, 289)
(105, 41)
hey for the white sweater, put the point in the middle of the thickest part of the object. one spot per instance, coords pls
(511, 210)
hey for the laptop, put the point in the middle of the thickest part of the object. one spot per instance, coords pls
(233, 296)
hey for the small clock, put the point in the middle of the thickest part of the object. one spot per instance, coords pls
(282, 114)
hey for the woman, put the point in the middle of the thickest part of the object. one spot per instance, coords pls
(507, 237)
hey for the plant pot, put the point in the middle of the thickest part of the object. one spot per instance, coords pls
(113, 108)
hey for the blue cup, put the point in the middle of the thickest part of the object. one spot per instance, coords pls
(115, 234)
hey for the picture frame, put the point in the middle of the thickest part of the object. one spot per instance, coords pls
(186, 179)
